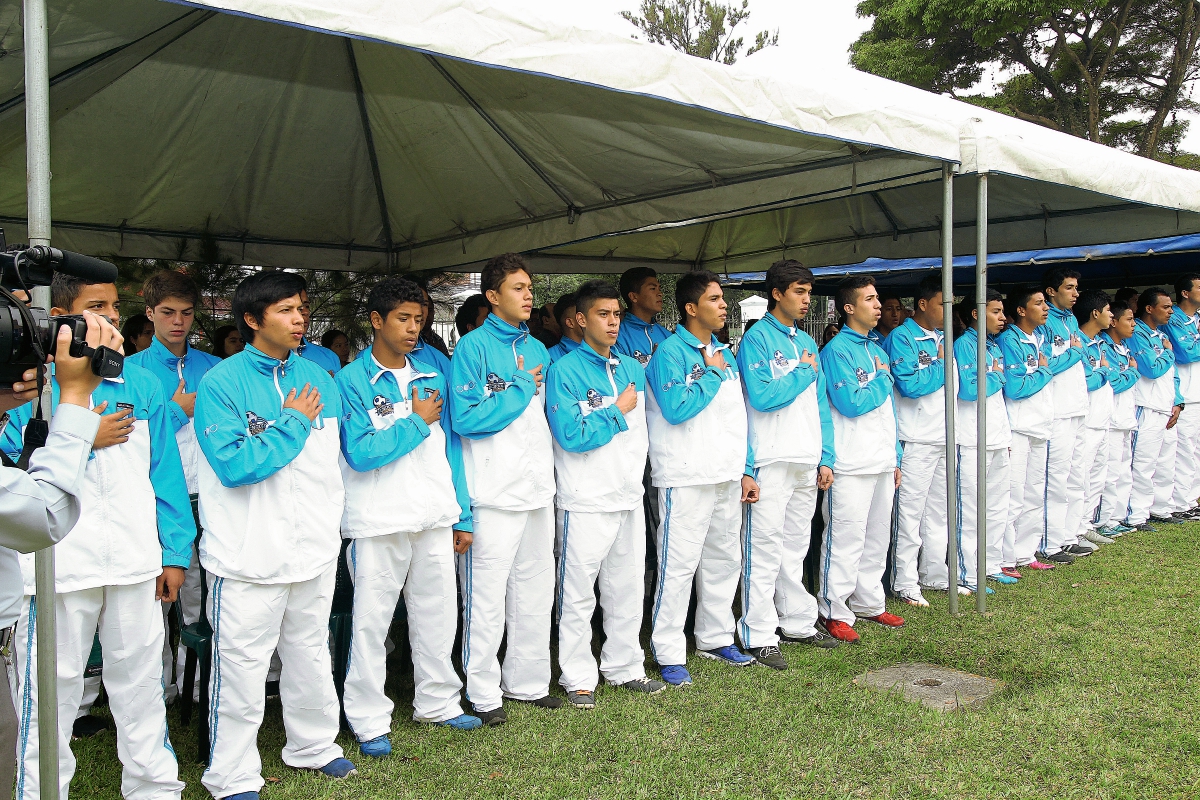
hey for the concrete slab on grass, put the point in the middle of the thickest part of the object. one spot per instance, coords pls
(933, 687)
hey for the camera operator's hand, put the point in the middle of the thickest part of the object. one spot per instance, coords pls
(166, 585)
(115, 428)
(76, 381)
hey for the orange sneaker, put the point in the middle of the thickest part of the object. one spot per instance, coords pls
(886, 620)
(841, 631)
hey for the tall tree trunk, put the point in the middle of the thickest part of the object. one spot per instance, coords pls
(1181, 61)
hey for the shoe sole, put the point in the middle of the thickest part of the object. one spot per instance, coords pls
(582, 706)
(880, 624)
(646, 692)
(772, 666)
(713, 657)
(915, 603)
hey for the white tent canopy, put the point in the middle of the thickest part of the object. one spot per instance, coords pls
(357, 134)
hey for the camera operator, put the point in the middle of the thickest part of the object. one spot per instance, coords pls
(39, 507)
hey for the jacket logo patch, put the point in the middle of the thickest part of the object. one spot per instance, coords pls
(779, 359)
(1031, 361)
(924, 359)
(255, 424)
(862, 376)
(495, 383)
(1058, 341)
(697, 372)
(1092, 360)
(643, 358)
(383, 406)
(594, 400)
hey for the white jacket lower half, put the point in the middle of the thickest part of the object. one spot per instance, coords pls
(513, 470)
(608, 478)
(708, 448)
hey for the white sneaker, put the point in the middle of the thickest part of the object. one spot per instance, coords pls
(965, 591)
(914, 599)
(1096, 538)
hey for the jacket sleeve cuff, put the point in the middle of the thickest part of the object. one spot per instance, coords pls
(416, 420)
(171, 560)
(75, 421)
(179, 417)
(619, 418)
(294, 414)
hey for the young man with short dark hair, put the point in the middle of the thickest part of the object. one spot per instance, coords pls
(498, 409)
(128, 551)
(322, 356)
(1183, 329)
(703, 469)
(594, 396)
(1030, 417)
(471, 314)
(858, 510)
(1123, 376)
(1093, 312)
(571, 333)
(396, 433)
(271, 501)
(916, 350)
(892, 314)
(643, 297)
(791, 434)
(1158, 402)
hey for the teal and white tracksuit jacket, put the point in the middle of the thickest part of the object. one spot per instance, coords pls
(564, 346)
(1154, 447)
(1118, 479)
(1184, 332)
(1064, 459)
(599, 456)
(405, 489)
(323, 357)
(791, 433)
(638, 339)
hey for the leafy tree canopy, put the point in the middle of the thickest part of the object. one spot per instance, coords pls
(699, 28)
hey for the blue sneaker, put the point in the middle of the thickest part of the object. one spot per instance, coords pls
(241, 796)
(676, 674)
(1003, 580)
(463, 722)
(378, 747)
(343, 767)
(729, 654)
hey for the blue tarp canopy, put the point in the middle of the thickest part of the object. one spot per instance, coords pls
(1143, 263)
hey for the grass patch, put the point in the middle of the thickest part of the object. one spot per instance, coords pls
(1100, 662)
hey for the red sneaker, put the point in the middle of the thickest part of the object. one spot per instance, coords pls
(887, 620)
(1035, 564)
(841, 631)
(1010, 572)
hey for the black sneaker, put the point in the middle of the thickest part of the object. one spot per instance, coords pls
(1146, 526)
(769, 656)
(1061, 557)
(644, 686)
(1078, 550)
(819, 639)
(1163, 520)
(1182, 517)
(88, 726)
(549, 701)
(493, 718)
(581, 699)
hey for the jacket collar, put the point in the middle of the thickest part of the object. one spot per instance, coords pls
(1062, 314)
(569, 344)
(1139, 325)
(266, 364)
(376, 370)
(773, 321)
(634, 321)
(1178, 314)
(591, 355)
(304, 345)
(505, 332)
(919, 333)
(853, 337)
(694, 343)
(160, 353)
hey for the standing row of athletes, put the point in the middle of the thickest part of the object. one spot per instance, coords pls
(513, 477)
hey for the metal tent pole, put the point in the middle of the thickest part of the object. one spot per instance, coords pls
(37, 169)
(948, 362)
(981, 373)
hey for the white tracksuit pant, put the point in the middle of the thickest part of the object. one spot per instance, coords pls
(1187, 459)
(249, 621)
(997, 483)
(697, 538)
(507, 578)
(608, 547)
(1118, 479)
(1086, 480)
(1063, 488)
(920, 521)
(131, 635)
(1164, 474)
(858, 521)
(421, 565)
(1026, 532)
(1147, 461)
(776, 532)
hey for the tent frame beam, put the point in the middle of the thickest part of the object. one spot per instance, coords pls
(365, 117)
(981, 374)
(951, 401)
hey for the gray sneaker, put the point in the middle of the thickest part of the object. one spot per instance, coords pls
(644, 686)
(1095, 537)
(819, 639)
(769, 656)
(1061, 557)
(581, 699)
(1079, 550)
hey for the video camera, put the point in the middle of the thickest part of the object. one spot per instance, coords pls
(28, 335)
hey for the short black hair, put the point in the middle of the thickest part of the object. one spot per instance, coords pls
(690, 288)
(1089, 301)
(783, 274)
(499, 268)
(926, 289)
(1184, 283)
(169, 283)
(847, 291)
(890, 294)
(218, 340)
(1019, 297)
(561, 305)
(1127, 297)
(1150, 298)
(1053, 278)
(258, 292)
(965, 308)
(468, 312)
(632, 280)
(65, 290)
(328, 337)
(392, 292)
(587, 295)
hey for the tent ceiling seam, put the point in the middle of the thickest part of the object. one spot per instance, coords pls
(887, 212)
(365, 118)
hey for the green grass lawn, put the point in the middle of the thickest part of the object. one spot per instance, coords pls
(1101, 662)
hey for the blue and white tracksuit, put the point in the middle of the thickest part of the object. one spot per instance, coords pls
(1118, 479)
(638, 338)
(405, 490)
(698, 454)
(920, 397)
(564, 346)
(599, 455)
(1064, 484)
(996, 474)
(507, 575)
(1154, 396)
(271, 500)
(791, 433)
(858, 510)
(1184, 332)
(323, 357)
(170, 370)
(134, 520)
(1030, 408)
(1091, 457)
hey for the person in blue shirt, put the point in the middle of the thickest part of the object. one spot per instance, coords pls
(127, 552)
(892, 315)
(497, 405)
(271, 502)
(791, 433)
(640, 332)
(572, 335)
(858, 506)
(1093, 311)
(916, 351)
(1123, 376)
(321, 356)
(396, 433)
(594, 398)
(703, 468)
(1183, 329)
(1158, 404)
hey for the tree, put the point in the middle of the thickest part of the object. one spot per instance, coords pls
(699, 28)
(1112, 71)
